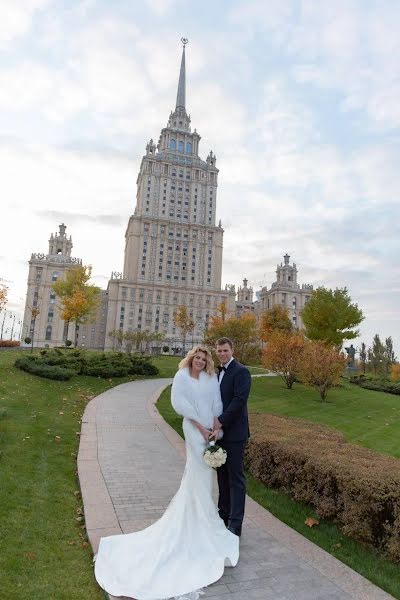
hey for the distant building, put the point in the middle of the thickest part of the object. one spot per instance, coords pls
(173, 248)
(286, 292)
(173, 254)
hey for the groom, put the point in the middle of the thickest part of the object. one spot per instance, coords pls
(235, 382)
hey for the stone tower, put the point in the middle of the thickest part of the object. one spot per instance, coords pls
(245, 298)
(44, 270)
(173, 247)
(286, 292)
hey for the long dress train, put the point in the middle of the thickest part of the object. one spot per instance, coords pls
(189, 546)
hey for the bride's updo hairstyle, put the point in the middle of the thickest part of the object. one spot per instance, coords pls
(187, 361)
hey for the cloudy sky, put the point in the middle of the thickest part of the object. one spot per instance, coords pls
(300, 101)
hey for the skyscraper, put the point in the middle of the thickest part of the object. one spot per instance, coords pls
(173, 247)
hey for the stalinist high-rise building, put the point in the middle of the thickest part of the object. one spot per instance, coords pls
(173, 247)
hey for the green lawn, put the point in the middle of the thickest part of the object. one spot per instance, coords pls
(365, 417)
(43, 549)
(348, 409)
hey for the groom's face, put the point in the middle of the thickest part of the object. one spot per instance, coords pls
(224, 353)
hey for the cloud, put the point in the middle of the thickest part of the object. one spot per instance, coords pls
(17, 17)
(71, 218)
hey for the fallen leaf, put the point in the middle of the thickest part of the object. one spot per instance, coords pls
(310, 521)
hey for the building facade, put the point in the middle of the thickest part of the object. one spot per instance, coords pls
(173, 247)
(173, 254)
(286, 292)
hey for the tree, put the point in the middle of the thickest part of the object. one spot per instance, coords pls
(222, 310)
(3, 295)
(79, 298)
(117, 335)
(274, 319)
(363, 356)
(35, 311)
(389, 355)
(377, 354)
(283, 355)
(184, 322)
(321, 366)
(395, 372)
(331, 316)
(243, 332)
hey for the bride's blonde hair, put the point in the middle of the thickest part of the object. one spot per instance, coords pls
(187, 361)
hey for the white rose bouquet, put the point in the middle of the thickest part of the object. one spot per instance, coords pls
(214, 455)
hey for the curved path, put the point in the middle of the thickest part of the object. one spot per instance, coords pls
(130, 463)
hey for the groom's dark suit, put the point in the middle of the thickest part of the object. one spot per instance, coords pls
(235, 388)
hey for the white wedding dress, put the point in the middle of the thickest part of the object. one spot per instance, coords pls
(188, 548)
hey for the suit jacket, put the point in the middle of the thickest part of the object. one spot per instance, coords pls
(235, 388)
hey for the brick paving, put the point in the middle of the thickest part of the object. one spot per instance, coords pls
(130, 464)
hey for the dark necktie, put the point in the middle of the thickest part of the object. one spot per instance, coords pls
(221, 368)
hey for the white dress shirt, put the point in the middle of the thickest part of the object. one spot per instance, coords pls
(222, 373)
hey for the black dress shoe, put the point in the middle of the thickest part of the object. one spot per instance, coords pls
(236, 530)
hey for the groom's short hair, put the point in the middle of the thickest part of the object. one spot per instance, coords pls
(224, 340)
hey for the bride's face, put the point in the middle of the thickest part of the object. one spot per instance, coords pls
(199, 361)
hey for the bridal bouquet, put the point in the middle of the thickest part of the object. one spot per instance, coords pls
(214, 455)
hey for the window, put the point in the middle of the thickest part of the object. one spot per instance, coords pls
(188, 148)
(180, 146)
(172, 144)
(55, 276)
(48, 332)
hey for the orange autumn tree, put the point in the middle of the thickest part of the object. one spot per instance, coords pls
(395, 372)
(79, 299)
(243, 332)
(274, 319)
(282, 355)
(184, 322)
(321, 366)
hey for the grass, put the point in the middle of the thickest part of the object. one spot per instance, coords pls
(44, 553)
(365, 417)
(268, 395)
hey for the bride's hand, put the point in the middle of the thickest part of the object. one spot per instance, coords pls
(206, 434)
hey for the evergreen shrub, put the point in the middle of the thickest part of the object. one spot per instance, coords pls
(37, 367)
(93, 364)
(377, 384)
(357, 488)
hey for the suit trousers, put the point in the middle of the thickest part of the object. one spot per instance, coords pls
(232, 484)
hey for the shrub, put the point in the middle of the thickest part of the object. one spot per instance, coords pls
(37, 367)
(358, 488)
(376, 384)
(283, 355)
(395, 372)
(320, 366)
(28, 340)
(165, 348)
(105, 364)
(9, 343)
(68, 343)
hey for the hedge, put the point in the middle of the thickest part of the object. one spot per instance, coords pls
(358, 488)
(379, 385)
(9, 343)
(36, 367)
(77, 362)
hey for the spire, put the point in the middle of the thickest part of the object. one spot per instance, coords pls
(181, 95)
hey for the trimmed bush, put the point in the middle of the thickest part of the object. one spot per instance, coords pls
(379, 385)
(37, 367)
(358, 488)
(28, 340)
(101, 364)
(9, 343)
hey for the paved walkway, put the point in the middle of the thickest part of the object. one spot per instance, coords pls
(130, 464)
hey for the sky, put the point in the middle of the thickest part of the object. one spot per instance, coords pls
(299, 100)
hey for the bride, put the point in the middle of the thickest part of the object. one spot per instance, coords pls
(188, 548)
